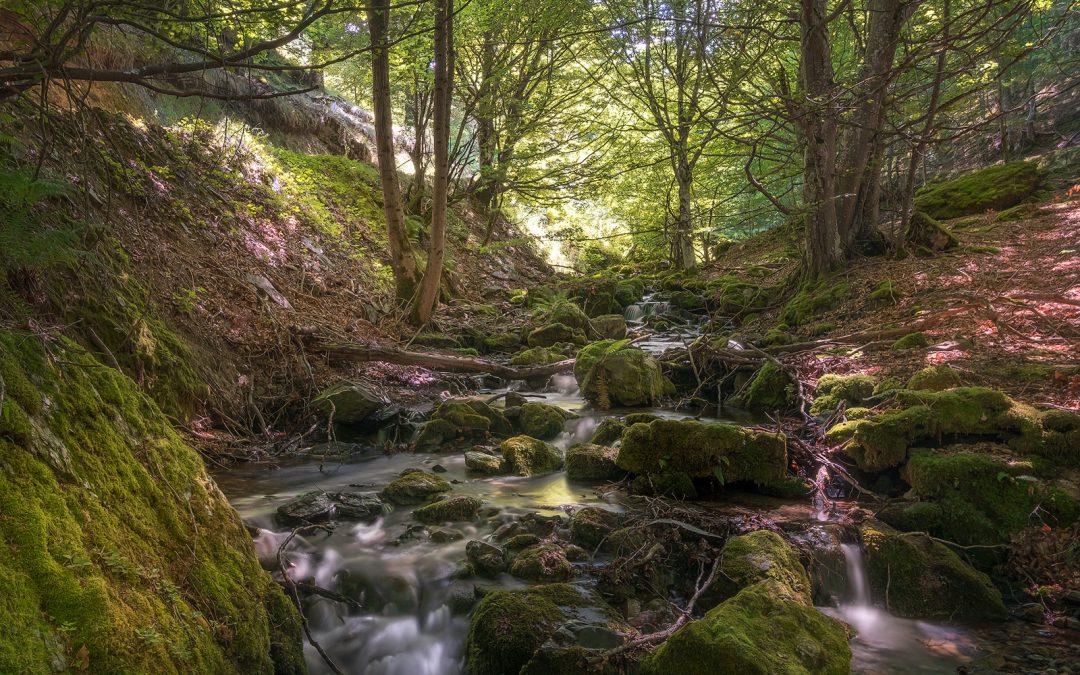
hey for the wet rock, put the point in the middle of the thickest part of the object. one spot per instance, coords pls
(608, 432)
(610, 326)
(445, 536)
(554, 334)
(456, 420)
(461, 597)
(520, 542)
(414, 487)
(514, 399)
(687, 300)
(438, 468)
(452, 509)
(349, 402)
(758, 556)
(527, 456)
(486, 559)
(542, 563)
(482, 462)
(611, 373)
(591, 524)
(588, 462)
(318, 506)
(542, 421)
(629, 291)
(921, 578)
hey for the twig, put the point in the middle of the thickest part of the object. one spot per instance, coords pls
(291, 585)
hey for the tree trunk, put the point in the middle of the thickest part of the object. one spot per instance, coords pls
(444, 83)
(402, 260)
(682, 246)
(817, 120)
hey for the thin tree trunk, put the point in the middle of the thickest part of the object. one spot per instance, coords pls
(444, 83)
(683, 244)
(402, 260)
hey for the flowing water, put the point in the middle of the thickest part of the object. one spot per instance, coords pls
(414, 619)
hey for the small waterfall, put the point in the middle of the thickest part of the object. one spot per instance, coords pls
(859, 588)
(635, 313)
(639, 311)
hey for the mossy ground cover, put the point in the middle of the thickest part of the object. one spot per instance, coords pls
(997, 187)
(119, 551)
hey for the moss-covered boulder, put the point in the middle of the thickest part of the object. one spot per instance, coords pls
(924, 418)
(413, 486)
(568, 314)
(591, 524)
(608, 432)
(486, 559)
(553, 334)
(994, 188)
(543, 421)
(770, 389)
(760, 556)
(928, 236)
(349, 402)
(589, 462)
(528, 456)
(834, 389)
(687, 300)
(482, 462)
(542, 563)
(629, 291)
(537, 356)
(982, 494)
(101, 507)
(452, 509)
(765, 629)
(910, 341)
(612, 373)
(460, 420)
(502, 342)
(917, 577)
(812, 300)
(934, 378)
(731, 295)
(610, 326)
(727, 452)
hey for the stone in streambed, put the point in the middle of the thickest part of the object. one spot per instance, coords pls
(451, 509)
(318, 506)
(414, 487)
(589, 526)
(554, 334)
(486, 559)
(482, 462)
(455, 420)
(610, 372)
(586, 461)
(542, 563)
(610, 326)
(349, 402)
(528, 456)
(543, 421)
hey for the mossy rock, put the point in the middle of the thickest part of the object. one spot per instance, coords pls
(543, 421)
(928, 235)
(452, 509)
(883, 440)
(687, 300)
(349, 402)
(590, 462)
(812, 300)
(770, 389)
(911, 341)
(461, 420)
(986, 494)
(727, 452)
(1018, 212)
(568, 314)
(437, 340)
(608, 432)
(994, 188)
(503, 342)
(764, 630)
(934, 378)
(482, 462)
(917, 577)
(543, 563)
(730, 295)
(883, 294)
(667, 483)
(101, 500)
(629, 291)
(555, 334)
(759, 556)
(537, 356)
(610, 326)
(413, 486)
(590, 525)
(528, 456)
(834, 389)
(612, 373)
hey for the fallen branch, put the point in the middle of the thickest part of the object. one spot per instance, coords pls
(291, 585)
(444, 362)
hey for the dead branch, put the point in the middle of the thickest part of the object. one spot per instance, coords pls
(291, 585)
(443, 362)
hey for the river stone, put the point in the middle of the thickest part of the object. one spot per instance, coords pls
(554, 334)
(349, 402)
(528, 456)
(614, 375)
(758, 556)
(317, 506)
(586, 461)
(589, 526)
(487, 559)
(414, 487)
(568, 314)
(541, 420)
(542, 563)
(445, 535)
(455, 420)
(451, 509)
(610, 326)
(482, 462)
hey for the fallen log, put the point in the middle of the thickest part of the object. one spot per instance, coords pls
(452, 364)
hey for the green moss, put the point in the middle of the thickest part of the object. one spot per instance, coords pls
(667, 483)
(629, 291)
(813, 299)
(730, 295)
(542, 563)
(590, 525)
(502, 342)
(554, 334)
(608, 432)
(760, 556)
(414, 487)
(833, 389)
(451, 509)
(536, 356)
(770, 389)
(98, 551)
(611, 372)
(568, 314)
(921, 578)
(928, 236)
(934, 378)
(727, 452)
(457, 420)
(527, 456)
(994, 188)
(541, 420)
(764, 630)
(883, 293)
(586, 461)
(1018, 212)
(437, 340)
(609, 326)
(911, 341)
